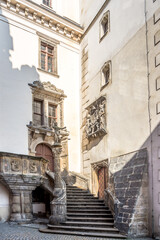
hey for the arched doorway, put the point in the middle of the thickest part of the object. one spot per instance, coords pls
(42, 150)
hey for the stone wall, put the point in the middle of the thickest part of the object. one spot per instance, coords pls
(130, 178)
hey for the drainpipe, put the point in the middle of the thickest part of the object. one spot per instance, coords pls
(149, 112)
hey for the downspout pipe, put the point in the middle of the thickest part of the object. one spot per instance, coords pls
(149, 114)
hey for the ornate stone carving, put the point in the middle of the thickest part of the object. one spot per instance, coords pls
(35, 16)
(97, 165)
(33, 167)
(50, 23)
(8, 3)
(42, 20)
(15, 165)
(26, 12)
(17, 7)
(96, 118)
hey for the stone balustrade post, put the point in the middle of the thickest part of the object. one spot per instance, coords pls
(58, 205)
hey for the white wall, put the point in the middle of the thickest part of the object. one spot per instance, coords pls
(19, 63)
(4, 204)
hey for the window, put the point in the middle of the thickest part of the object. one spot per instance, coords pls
(52, 114)
(105, 74)
(104, 25)
(47, 57)
(47, 3)
(37, 112)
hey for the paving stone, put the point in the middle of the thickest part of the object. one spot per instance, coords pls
(11, 231)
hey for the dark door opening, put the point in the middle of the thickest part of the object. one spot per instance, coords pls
(41, 203)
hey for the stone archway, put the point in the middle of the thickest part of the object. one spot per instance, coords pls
(43, 150)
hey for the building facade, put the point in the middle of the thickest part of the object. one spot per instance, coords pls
(119, 108)
(89, 69)
(39, 83)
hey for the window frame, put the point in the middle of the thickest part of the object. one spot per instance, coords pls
(42, 112)
(51, 117)
(106, 66)
(105, 18)
(53, 43)
(47, 55)
(50, 3)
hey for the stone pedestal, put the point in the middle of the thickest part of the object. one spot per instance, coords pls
(58, 205)
(21, 206)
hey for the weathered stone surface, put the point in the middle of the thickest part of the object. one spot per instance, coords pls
(129, 184)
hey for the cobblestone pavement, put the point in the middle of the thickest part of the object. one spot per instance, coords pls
(10, 231)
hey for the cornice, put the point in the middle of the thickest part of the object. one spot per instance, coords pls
(44, 17)
(47, 88)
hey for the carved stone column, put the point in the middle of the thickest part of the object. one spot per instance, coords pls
(58, 205)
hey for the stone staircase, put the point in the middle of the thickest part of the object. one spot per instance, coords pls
(86, 216)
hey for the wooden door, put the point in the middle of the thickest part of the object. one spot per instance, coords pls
(42, 150)
(102, 180)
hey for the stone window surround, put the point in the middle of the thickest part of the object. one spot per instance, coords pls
(155, 18)
(158, 83)
(157, 60)
(158, 108)
(52, 42)
(156, 42)
(47, 95)
(105, 66)
(105, 17)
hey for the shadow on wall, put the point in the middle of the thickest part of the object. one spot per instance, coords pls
(131, 190)
(15, 94)
(132, 175)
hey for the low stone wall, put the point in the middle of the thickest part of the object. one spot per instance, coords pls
(129, 173)
(77, 180)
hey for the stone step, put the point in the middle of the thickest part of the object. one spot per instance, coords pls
(94, 204)
(90, 219)
(93, 224)
(85, 199)
(98, 215)
(86, 193)
(77, 191)
(89, 234)
(82, 228)
(89, 207)
(88, 211)
(75, 188)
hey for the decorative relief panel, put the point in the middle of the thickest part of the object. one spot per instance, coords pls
(33, 167)
(96, 118)
(15, 165)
